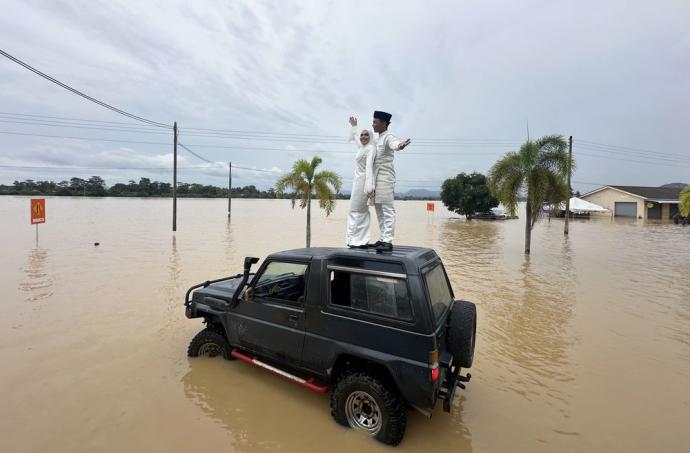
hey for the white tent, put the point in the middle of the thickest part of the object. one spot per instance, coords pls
(579, 206)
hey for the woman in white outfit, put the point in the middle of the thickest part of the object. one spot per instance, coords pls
(358, 217)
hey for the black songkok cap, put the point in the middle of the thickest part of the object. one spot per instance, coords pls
(383, 116)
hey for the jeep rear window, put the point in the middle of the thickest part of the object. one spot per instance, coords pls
(440, 295)
(378, 295)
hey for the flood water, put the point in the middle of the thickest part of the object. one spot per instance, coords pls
(583, 347)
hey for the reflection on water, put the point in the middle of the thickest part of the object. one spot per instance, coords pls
(172, 288)
(261, 412)
(525, 311)
(568, 338)
(37, 284)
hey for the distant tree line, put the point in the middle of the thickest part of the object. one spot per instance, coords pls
(95, 187)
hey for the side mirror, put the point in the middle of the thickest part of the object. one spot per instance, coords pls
(248, 294)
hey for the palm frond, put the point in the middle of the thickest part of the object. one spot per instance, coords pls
(537, 191)
(553, 153)
(331, 178)
(296, 181)
(315, 162)
(302, 168)
(684, 202)
(326, 185)
(510, 192)
(505, 180)
(529, 153)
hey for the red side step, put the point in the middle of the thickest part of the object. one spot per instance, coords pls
(310, 383)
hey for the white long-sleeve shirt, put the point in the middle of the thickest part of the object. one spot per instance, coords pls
(384, 169)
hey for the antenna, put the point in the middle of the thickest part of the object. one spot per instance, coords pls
(527, 120)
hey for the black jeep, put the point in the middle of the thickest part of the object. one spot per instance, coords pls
(382, 329)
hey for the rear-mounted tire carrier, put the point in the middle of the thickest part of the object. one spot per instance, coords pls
(310, 383)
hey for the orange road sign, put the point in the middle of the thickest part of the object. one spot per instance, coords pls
(38, 210)
(430, 207)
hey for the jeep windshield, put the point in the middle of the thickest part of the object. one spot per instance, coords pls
(440, 294)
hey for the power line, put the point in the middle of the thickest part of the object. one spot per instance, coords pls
(628, 153)
(235, 148)
(255, 169)
(142, 130)
(632, 160)
(626, 148)
(316, 151)
(51, 167)
(57, 167)
(63, 118)
(195, 154)
(84, 126)
(290, 136)
(599, 146)
(79, 93)
(29, 134)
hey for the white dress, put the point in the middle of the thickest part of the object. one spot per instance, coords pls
(358, 218)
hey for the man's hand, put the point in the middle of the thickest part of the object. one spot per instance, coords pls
(353, 121)
(404, 143)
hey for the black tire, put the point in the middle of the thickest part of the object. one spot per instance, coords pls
(368, 395)
(209, 343)
(462, 332)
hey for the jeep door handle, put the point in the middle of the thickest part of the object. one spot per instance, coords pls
(293, 318)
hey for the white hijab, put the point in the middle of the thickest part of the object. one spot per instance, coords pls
(372, 139)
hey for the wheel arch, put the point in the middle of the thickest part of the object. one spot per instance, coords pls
(346, 362)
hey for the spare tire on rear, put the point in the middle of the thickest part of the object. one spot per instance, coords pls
(462, 329)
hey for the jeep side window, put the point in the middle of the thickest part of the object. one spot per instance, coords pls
(379, 295)
(439, 290)
(282, 280)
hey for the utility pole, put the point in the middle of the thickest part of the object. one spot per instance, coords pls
(229, 189)
(570, 190)
(175, 176)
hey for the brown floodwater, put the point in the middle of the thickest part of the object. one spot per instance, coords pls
(583, 347)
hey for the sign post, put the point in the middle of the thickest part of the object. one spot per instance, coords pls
(430, 207)
(38, 213)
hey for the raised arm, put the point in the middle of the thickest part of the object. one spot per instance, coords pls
(354, 133)
(396, 144)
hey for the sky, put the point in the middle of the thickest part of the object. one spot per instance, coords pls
(276, 81)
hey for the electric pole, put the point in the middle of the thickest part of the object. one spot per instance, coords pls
(175, 176)
(570, 190)
(229, 189)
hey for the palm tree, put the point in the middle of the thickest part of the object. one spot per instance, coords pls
(306, 183)
(684, 202)
(539, 169)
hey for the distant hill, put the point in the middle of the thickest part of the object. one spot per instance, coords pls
(423, 194)
(674, 185)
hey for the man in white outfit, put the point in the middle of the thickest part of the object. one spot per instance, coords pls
(386, 146)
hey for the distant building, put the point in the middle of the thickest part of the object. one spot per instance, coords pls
(637, 202)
